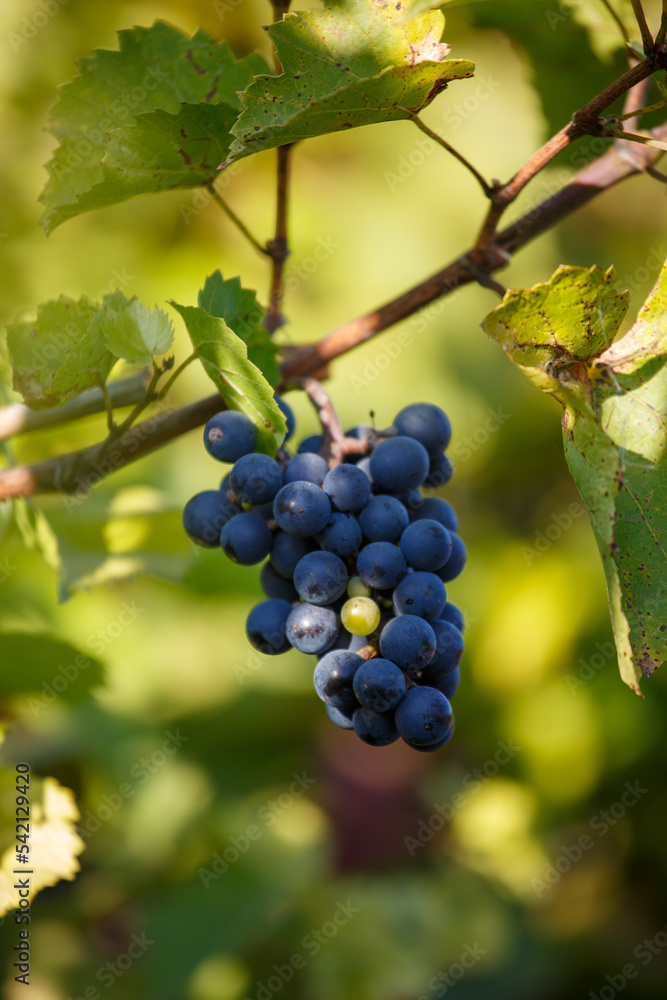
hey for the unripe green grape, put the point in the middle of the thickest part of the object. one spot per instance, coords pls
(357, 588)
(360, 615)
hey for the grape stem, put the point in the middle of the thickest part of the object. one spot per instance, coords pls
(334, 444)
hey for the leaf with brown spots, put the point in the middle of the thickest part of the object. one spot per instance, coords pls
(356, 62)
(561, 335)
(118, 123)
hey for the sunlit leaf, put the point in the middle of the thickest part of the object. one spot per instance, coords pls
(154, 115)
(357, 62)
(130, 330)
(614, 430)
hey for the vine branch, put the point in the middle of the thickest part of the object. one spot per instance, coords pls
(640, 17)
(73, 471)
(17, 418)
(278, 248)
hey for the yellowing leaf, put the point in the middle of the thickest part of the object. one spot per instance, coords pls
(357, 62)
(561, 334)
(53, 840)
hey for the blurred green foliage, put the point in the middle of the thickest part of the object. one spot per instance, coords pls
(211, 858)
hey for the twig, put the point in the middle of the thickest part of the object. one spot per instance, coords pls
(640, 16)
(486, 188)
(656, 175)
(335, 446)
(172, 378)
(278, 248)
(17, 418)
(74, 471)
(583, 122)
(662, 30)
(138, 409)
(108, 408)
(235, 219)
(621, 26)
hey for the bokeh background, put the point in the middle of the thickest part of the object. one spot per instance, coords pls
(381, 874)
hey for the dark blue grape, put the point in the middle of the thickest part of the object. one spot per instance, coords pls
(409, 642)
(449, 646)
(289, 417)
(334, 676)
(421, 594)
(342, 535)
(287, 551)
(450, 613)
(225, 483)
(398, 464)
(312, 629)
(265, 627)
(347, 487)
(457, 560)
(246, 539)
(302, 509)
(204, 516)
(373, 728)
(275, 585)
(312, 443)
(381, 565)
(439, 473)
(435, 509)
(412, 500)
(360, 432)
(379, 684)
(229, 435)
(432, 747)
(383, 519)
(256, 479)
(320, 577)
(338, 718)
(447, 684)
(426, 545)
(306, 468)
(424, 716)
(365, 465)
(426, 423)
(264, 510)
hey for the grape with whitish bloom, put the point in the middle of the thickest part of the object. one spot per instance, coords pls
(355, 558)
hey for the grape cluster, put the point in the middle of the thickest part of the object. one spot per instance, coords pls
(356, 565)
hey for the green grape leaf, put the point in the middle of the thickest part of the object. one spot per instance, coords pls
(130, 330)
(356, 62)
(45, 669)
(244, 315)
(141, 119)
(240, 383)
(561, 334)
(163, 151)
(55, 357)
